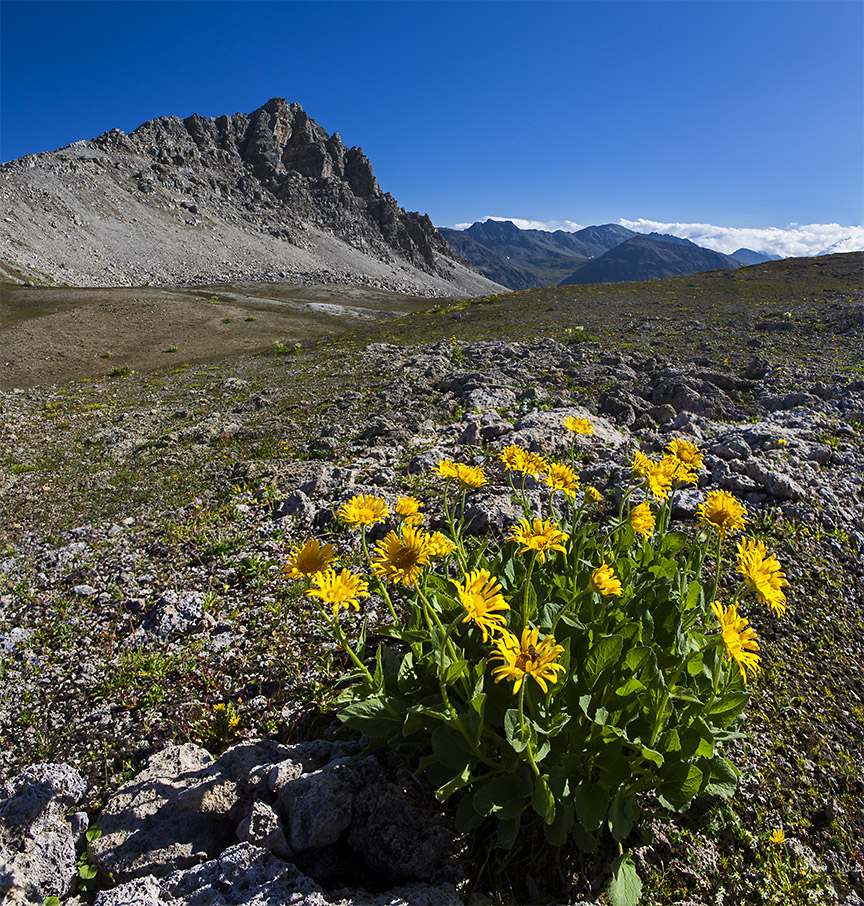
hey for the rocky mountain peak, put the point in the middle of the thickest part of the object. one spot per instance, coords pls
(271, 188)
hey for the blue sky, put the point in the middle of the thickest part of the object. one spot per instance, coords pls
(723, 115)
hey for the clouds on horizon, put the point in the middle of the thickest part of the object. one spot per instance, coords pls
(793, 240)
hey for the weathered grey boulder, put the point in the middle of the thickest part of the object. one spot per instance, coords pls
(147, 831)
(317, 807)
(175, 613)
(544, 432)
(37, 848)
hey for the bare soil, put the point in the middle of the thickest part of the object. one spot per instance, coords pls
(52, 335)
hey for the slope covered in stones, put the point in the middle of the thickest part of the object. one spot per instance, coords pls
(264, 196)
(149, 516)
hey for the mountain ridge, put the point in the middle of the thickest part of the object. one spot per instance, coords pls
(265, 195)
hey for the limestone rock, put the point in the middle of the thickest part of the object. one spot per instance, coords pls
(37, 849)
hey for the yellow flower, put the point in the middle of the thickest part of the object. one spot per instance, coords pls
(530, 657)
(481, 597)
(446, 468)
(364, 509)
(678, 470)
(339, 589)
(592, 495)
(470, 476)
(409, 509)
(659, 478)
(560, 477)
(642, 519)
(513, 457)
(534, 464)
(401, 557)
(762, 574)
(539, 535)
(605, 581)
(578, 425)
(778, 838)
(642, 465)
(722, 512)
(438, 546)
(686, 452)
(309, 559)
(738, 637)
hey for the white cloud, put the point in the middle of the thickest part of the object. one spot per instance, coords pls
(793, 240)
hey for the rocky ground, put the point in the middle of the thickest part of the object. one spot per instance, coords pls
(181, 687)
(131, 633)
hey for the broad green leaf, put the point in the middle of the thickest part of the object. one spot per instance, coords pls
(724, 778)
(518, 734)
(556, 832)
(728, 707)
(413, 723)
(603, 652)
(591, 802)
(507, 832)
(454, 670)
(467, 818)
(693, 596)
(371, 717)
(652, 755)
(625, 888)
(681, 786)
(451, 748)
(542, 800)
(622, 816)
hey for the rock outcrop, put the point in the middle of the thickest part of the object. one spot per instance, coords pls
(268, 195)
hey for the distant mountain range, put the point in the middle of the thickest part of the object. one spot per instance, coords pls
(528, 259)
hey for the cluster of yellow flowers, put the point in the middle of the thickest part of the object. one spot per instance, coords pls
(721, 512)
(402, 555)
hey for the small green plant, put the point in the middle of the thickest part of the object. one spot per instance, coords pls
(218, 727)
(227, 320)
(105, 355)
(250, 318)
(120, 371)
(171, 349)
(252, 569)
(573, 336)
(213, 300)
(86, 865)
(283, 349)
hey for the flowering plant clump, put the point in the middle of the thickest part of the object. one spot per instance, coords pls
(588, 661)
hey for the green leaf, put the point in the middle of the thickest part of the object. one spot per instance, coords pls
(454, 671)
(693, 596)
(449, 788)
(93, 834)
(727, 708)
(51, 901)
(681, 786)
(625, 888)
(585, 840)
(542, 800)
(507, 832)
(556, 832)
(622, 816)
(652, 755)
(467, 819)
(451, 748)
(605, 651)
(87, 872)
(413, 723)
(723, 778)
(591, 802)
(371, 717)
(517, 736)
